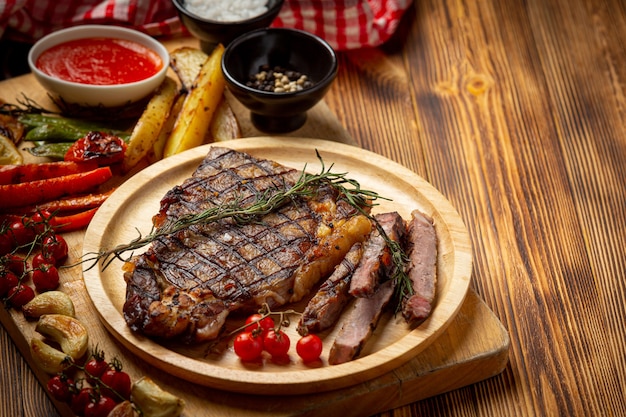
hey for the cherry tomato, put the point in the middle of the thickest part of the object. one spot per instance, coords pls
(6, 243)
(276, 343)
(309, 347)
(59, 387)
(55, 246)
(46, 278)
(38, 221)
(14, 263)
(8, 280)
(248, 346)
(79, 401)
(40, 259)
(101, 407)
(95, 367)
(20, 295)
(21, 234)
(263, 324)
(117, 382)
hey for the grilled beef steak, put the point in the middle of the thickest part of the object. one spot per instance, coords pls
(188, 282)
(376, 262)
(359, 325)
(421, 269)
(326, 306)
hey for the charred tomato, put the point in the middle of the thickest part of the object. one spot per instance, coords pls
(104, 148)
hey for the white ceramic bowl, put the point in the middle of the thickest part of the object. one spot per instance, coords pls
(98, 95)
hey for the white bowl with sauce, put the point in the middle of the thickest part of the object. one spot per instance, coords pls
(131, 65)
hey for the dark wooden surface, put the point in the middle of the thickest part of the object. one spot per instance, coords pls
(516, 111)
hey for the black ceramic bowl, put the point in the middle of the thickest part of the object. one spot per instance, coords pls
(292, 49)
(212, 32)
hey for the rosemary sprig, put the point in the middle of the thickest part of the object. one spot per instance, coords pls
(270, 200)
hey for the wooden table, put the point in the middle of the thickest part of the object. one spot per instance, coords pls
(516, 112)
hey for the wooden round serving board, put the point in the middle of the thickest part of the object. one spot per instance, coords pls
(130, 209)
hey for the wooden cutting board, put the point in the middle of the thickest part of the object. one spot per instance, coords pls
(474, 346)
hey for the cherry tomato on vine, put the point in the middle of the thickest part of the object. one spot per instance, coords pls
(276, 343)
(309, 347)
(40, 259)
(20, 233)
(14, 263)
(46, 278)
(79, 401)
(6, 243)
(59, 387)
(101, 407)
(117, 382)
(39, 220)
(20, 295)
(265, 324)
(8, 280)
(248, 346)
(95, 367)
(55, 246)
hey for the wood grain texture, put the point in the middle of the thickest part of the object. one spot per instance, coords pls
(518, 117)
(516, 111)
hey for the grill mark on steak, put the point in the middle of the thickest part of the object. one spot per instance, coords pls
(421, 268)
(324, 309)
(376, 262)
(361, 322)
(187, 283)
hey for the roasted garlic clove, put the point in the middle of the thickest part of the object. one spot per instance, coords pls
(153, 401)
(68, 332)
(49, 359)
(51, 302)
(123, 409)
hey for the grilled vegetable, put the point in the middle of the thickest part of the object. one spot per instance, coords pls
(60, 129)
(153, 401)
(68, 332)
(13, 174)
(200, 105)
(34, 192)
(147, 129)
(51, 302)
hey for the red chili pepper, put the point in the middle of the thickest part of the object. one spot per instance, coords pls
(35, 192)
(13, 174)
(64, 205)
(73, 222)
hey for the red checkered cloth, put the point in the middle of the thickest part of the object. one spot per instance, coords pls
(345, 24)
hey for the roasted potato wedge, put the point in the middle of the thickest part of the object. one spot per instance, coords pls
(200, 105)
(187, 63)
(156, 154)
(50, 302)
(146, 131)
(224, 125)
(153, 401)
(68, 332)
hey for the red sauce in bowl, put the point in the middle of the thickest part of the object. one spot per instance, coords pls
(100, 61)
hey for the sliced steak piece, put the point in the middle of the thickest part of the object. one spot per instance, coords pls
(360, 324)
(421, 248)
(326, 306)
(376, 262)
(186, 283)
